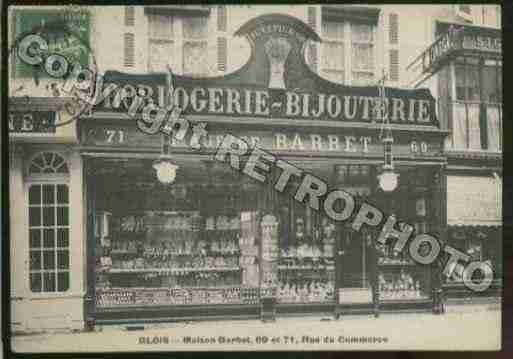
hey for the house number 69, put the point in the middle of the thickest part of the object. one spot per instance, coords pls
(418, 147)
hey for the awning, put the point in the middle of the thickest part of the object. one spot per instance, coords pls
(474, 201)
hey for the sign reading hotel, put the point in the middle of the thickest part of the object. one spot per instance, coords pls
(275, 83)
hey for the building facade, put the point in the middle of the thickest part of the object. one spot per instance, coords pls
(97, 238)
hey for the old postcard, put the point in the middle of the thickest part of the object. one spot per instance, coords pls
(255, 177)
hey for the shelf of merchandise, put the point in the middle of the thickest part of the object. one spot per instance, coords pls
(312, 268)
(172, 270)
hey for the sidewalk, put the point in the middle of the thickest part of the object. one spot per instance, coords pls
(463, 327)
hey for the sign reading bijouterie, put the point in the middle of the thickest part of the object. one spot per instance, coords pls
(349, 104)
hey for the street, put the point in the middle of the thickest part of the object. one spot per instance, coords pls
(463, 327)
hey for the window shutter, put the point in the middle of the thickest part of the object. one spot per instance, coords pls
(312, 56)
(312, 48)
(222, 20)
(394, 65)
(129, 16)
(129, 50)
(221, 53)
(312, 17)
(393, 29)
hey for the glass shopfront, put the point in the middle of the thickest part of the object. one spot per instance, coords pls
(197, 242)
(194, 242)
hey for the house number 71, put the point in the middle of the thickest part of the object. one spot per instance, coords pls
(115, 136)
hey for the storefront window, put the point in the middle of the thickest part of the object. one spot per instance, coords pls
(48, 209)
(192, 242)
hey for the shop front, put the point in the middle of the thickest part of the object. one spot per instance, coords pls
(474, 219)
(212, 242)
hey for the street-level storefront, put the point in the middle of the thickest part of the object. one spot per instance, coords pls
(216, 243)
(474, 219)
(200, 247)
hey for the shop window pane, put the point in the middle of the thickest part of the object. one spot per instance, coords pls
(62, 237)
(49, 282)
(34, 216)
(62, 194)
(48, 216)
(63, 281)
(48, 238)
(35, 260)
(35, 194)
(49, 259)
(35, 282)
(62, 216)
(35, 238)
(48, 194)
(63, 259)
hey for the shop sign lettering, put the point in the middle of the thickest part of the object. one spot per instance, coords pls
(31, 122)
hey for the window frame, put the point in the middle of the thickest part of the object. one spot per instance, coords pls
(53, 179)
(177, 42)
(347, 42)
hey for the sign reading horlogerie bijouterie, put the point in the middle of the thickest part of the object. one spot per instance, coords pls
(275, 83)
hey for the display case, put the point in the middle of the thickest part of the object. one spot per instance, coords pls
(165, 258)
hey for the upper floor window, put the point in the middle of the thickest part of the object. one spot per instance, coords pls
(348, 52)
(180, 42)
(48, 215)
(468, 82)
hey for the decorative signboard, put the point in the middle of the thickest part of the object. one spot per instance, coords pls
(276, 82)
(31, 122)
(350, 142)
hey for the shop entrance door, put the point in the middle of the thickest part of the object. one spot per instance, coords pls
(351, 260)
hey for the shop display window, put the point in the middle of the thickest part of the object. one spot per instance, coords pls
(192, 242)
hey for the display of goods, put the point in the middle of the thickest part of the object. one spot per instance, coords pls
(306, 292)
